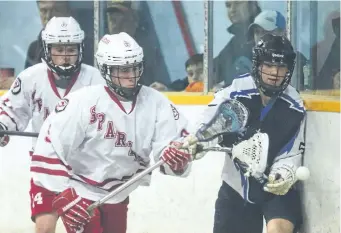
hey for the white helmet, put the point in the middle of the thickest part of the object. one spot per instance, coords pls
(62, 30)
(120, 51)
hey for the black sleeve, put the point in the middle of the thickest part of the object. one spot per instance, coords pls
(179, 85)
(34, 54)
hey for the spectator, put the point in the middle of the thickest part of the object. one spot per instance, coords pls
(273, 22)
(121, 17)
(268, 21)
(133, 18)
(194, 69)
(47, 9)
(326, 55)
(194, 80)
(235, 58)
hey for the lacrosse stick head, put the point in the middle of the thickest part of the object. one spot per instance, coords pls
(251, 155)
(231, 116)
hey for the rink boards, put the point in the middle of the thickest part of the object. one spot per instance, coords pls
(186, 205)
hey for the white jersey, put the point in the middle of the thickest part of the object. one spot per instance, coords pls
(93, 142)
(34, 95)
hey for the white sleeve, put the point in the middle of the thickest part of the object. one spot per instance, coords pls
(171, 125)
(292, 152)
(61, 134)
(15, 112)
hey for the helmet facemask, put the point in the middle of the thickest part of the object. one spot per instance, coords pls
(65, 50)
(120, 60)
(61, 37)
(123, 79)
(277, 57)
(277, 76)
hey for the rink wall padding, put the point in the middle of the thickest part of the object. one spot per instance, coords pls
(188, 203)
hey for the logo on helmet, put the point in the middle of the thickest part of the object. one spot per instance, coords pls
(126, 44)
(105, 40)
(64, 25)
(277, 55)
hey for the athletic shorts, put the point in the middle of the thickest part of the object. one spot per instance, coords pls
(113, 217)
(234, 215)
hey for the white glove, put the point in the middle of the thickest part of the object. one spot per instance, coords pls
(281, 179)
(4, 139)
(196, 149)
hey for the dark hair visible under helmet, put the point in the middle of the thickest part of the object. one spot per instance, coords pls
(273, 50)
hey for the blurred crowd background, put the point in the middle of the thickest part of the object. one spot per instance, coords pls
(172, 36)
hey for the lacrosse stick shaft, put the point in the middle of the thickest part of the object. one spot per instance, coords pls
(219, 149)
(138, 177)
(125, 185)
(302, 173)
(17, 133)
(231, 116)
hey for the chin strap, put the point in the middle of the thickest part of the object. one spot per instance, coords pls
(120, 91)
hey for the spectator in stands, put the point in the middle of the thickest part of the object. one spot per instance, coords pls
(326, 55)
(194, 80)
(273, 22)
(133, 18)
(47, 9)
(268, 21)
(235, 58)
(121, 17)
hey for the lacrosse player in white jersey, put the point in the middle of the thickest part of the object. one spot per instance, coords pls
(275, 109)
(38, 89)
(99, 137)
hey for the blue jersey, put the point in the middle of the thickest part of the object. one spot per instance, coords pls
(284, 122)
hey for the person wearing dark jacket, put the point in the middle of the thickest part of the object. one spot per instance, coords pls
(235, 57)
(326, 55)
(34, 53)
(271, 21)
(133, 17)
(47, 9)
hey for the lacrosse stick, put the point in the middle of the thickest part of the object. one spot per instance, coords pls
(251, 155)
(230, 116)
(17, 133)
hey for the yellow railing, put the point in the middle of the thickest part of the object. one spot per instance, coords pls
(312, 101)
(324, 101)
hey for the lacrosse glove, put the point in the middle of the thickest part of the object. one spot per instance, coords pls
(281, 179)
